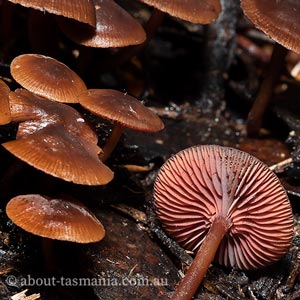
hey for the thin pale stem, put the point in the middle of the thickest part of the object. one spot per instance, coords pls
(192, 279)
(262, 100)
(112, 141)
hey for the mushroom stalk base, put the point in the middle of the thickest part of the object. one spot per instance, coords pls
(112, 141)
(190, 283)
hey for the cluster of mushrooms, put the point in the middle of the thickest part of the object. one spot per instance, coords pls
(55, 138)
(219, 202)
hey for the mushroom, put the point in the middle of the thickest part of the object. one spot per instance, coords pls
(280, 20)
(115, 27)
(124, 110)
(35, 113)
(226, 205)
(79, 10)
(5, 117)
(47, 77)
(62, 154)
(55, 138)
(55, 218)
(195, 11)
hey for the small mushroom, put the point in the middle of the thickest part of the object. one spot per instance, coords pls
(115, 27)
(280, 20)
(124, 110)
(5, 117)
(226, 205)
(80, 10)
(62, 154)
(53, 219)
(55, 138)
(36, 113)
(195, 11)
(47, 77)
(58, 219)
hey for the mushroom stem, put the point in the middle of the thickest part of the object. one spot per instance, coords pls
(112, 141)
(205, 255)
(261, 102)
(126, 53)
(154, 23)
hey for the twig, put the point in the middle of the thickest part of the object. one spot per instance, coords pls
(22, 296)
(275, 168)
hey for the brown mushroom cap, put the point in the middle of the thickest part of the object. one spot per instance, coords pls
(202, 183)
(47, 77)
(115, 27)
(278, 19)
(195, 11)
(122, 108)
(36, 113)
(80, 10)
(62, 154)
(5, 116)
(57, 219)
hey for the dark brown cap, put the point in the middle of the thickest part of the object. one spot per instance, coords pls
(122, 108)
(79, 10)
(47, 77)
(115, 27)
(5, 116)
(202, 183)
(195, 11)
(57, 219)
(62, 154)
(36, 113)
(280, 20)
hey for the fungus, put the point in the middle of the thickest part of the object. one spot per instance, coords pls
(59, 219)
(195, 11)
(55, 139)
(226, 205)
(47, 77)
(79, 10)
(115, 27)
(63, 219)
(5, 117)
(124, 110)
(62, 154)
(280, 20)
(35, 113)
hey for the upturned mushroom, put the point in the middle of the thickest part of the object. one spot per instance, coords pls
(115, 27)
(56, 139)
(280, 20)
(124, 110)
(227, 206)
(47, 77)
